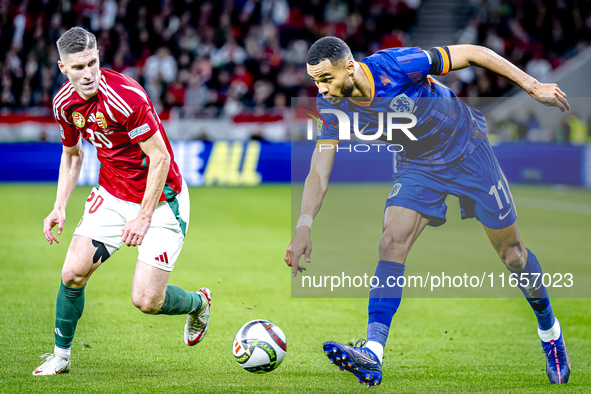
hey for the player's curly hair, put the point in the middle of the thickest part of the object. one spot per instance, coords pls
(331, 48)
(75, 40)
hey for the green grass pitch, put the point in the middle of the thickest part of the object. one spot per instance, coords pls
(235, 246)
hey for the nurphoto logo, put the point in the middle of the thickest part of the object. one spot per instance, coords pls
(383, 133)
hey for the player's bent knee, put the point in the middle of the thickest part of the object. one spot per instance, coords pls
(514, 257)
(71, 278)
(391, 244)
(147, 305)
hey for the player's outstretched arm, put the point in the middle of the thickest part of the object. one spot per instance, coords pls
(314, 190)
(70, 166)
(132, 234)
(548, 94)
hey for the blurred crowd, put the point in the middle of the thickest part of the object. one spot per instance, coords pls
(535, 35)
(219, 58)
(207, 58)
(572, 128)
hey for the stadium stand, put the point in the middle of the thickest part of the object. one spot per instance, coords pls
(205, 59)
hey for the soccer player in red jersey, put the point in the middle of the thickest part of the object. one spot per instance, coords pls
(142, 199)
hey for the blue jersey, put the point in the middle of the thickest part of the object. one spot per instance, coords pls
(447, 130)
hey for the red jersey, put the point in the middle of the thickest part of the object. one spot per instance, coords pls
(114, 121)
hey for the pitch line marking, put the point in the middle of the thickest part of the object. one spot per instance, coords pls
(553, 205)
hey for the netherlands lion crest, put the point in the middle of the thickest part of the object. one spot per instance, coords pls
(402, 103)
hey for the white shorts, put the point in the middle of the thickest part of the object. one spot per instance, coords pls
(105, 216)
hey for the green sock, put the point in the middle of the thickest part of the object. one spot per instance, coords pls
(68, 310)
(179, 302)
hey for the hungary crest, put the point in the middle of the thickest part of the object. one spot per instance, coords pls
(79, 120)
(100, 119)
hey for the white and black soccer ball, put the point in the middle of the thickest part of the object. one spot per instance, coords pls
(259, 346)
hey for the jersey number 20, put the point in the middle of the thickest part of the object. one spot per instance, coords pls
(97, 135)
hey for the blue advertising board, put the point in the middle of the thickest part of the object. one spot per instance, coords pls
(250, 163)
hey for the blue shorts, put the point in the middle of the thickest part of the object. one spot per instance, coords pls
(478, 182)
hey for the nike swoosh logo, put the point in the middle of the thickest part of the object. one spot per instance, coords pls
(364, 127)
(501, 217)
(365, 358)
(192, 343)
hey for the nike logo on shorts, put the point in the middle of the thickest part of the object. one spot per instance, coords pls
(501, 216)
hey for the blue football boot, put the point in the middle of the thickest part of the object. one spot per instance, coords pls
(357, 359)
(557, 360)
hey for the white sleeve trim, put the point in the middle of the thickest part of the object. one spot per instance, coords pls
(428, 57)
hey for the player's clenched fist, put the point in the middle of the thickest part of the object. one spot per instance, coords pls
(132, 234)
(300, 245)
(56, 217)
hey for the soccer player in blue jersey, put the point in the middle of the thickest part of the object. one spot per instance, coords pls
(451, 155)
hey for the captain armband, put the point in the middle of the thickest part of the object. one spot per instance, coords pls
(440, 60)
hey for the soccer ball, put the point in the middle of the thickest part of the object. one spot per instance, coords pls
(259, 346)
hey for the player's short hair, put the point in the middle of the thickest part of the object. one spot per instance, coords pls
(75, 40)
(331, 48)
